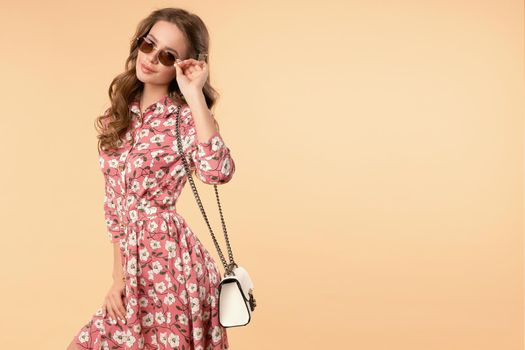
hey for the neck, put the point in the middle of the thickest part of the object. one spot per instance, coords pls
(153, 92)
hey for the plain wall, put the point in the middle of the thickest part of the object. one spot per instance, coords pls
(378, 197)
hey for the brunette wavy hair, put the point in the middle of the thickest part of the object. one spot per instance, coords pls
(125, 87)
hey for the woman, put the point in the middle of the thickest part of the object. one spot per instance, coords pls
(165, 282)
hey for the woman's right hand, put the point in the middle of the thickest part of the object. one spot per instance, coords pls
(113, 302)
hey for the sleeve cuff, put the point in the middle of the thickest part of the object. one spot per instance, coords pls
(211, 146)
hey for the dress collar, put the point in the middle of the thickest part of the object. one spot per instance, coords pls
(164, 105)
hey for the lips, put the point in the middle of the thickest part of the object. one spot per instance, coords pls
(147, 68)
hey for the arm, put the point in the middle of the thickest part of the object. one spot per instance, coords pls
(212, 158)
(112, 222)
(118, 271)
(110, 215)
(203, 119)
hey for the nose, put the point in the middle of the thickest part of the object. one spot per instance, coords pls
(152, 56)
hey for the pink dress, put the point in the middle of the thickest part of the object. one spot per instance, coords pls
(171, 294)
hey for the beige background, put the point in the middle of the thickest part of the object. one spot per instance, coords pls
(378, 198)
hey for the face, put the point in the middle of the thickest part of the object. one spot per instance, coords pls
(165, 36)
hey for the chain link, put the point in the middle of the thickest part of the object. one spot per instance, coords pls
(227, 266)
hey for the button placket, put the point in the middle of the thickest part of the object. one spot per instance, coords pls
(124, 220)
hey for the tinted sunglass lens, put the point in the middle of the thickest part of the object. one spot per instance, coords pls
(166, 58)
(144, 46)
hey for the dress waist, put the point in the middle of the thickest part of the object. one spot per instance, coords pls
(139, 218)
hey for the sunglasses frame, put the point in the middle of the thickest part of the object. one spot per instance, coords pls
(162, 53)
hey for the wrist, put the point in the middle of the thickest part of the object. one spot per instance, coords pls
(119, 279)
(118, 275)
(194, 95)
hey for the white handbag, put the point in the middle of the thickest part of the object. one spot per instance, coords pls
(236, 301)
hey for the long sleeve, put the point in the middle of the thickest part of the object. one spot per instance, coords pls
(110, 215)
(212, 158)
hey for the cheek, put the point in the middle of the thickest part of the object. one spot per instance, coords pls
(140, 58)
(143, 57)
(166, 74)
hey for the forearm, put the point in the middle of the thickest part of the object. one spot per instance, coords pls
(204, 121)
(118, 272)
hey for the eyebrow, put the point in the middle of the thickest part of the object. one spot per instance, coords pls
(169, 48)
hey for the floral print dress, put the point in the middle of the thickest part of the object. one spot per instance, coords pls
(171, 294)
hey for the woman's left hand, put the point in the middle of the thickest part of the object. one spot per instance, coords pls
(191, 75)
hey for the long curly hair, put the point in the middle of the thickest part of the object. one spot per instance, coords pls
(125, 87)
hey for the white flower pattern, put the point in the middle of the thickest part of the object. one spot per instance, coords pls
(171, 278)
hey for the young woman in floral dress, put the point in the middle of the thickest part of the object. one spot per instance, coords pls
(165, 282)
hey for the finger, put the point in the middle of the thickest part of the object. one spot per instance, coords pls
(201, 65)
(183, 63)
(187, 68)
(111, 313)
(178, 68)
(115, 317)
(121, 309)
(190, 60)
(116, 307)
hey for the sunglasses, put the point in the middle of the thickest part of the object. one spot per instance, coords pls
(147, 46)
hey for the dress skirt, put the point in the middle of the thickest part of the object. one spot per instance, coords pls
(171, 294)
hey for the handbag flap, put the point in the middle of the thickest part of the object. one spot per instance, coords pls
(244, 280)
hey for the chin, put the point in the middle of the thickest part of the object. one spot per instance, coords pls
(139, 77)
(143, 77)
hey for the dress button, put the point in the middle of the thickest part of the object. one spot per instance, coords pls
(121, 167)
